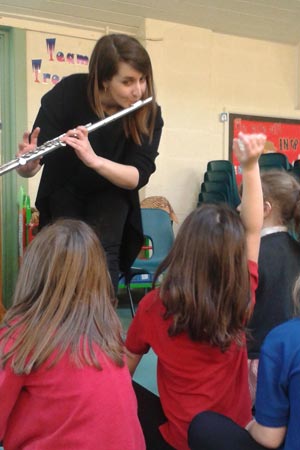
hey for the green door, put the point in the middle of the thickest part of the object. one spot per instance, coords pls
(13, 122)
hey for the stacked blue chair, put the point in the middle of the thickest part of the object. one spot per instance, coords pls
(220, 179)
(295, 169)
(296, 163)
(296, 172)
(220, 184)
(216, 186)
(211, 197)
(158, 230)
(274, 160)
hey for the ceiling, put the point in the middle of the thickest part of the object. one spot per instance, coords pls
(272, 20)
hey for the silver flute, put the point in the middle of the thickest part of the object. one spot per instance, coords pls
(54, 144)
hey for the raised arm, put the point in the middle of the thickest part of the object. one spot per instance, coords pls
(248, 148)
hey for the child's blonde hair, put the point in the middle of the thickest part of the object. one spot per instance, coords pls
(62, 301)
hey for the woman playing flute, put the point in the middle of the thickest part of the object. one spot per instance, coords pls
(96, 178)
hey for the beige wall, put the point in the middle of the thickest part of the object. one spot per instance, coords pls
(199, 74)
(36, 48)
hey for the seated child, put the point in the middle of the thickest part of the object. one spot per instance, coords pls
(278, 261)
(195, 321)
(63, 380)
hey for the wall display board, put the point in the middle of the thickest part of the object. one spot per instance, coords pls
(283, 135)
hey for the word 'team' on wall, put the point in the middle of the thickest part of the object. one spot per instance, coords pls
(59, 57)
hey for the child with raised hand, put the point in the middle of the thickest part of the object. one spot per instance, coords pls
(278, 262)
(63, 379)
(195, 321)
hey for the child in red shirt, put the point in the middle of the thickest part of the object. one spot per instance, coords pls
(63, 379)
(195, 321)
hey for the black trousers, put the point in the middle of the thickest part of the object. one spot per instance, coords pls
(105, 212)
(151, 416)
(212, 431)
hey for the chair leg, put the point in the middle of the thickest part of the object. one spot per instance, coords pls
(130, 299)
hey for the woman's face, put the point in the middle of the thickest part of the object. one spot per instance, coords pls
(126, 87)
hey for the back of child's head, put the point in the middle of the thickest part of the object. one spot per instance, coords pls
(282, 191)
(63, 300)
(206, 282)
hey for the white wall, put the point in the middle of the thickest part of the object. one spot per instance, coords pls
(56, 67)
(199, 74)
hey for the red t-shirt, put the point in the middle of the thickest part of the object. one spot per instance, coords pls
(191, 376)
(68, 407)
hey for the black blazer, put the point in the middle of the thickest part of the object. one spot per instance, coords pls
(65, 107)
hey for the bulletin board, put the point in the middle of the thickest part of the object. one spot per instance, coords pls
(283, 135)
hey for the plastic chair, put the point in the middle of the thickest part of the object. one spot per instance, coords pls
(226, 178)
(274, 160)
(211, 197)
(157, 227)
(218, 175)
(296, 163)
(220, 164)
(295, 171)
(224, 165)
(216, 186)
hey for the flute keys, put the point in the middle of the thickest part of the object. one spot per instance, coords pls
(54, 144)
(22, 161)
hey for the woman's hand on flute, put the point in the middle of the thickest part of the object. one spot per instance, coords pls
(121, 175)
(78, 140)
(27, 145)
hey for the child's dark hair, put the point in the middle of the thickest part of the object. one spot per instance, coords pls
(206, 280)
(62, 301)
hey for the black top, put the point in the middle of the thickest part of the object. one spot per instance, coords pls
(278, 268)
(65, 107)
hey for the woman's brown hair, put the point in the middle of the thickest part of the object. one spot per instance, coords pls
(63, 301)
(108, 52)
(282, 190)
(205, 287)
